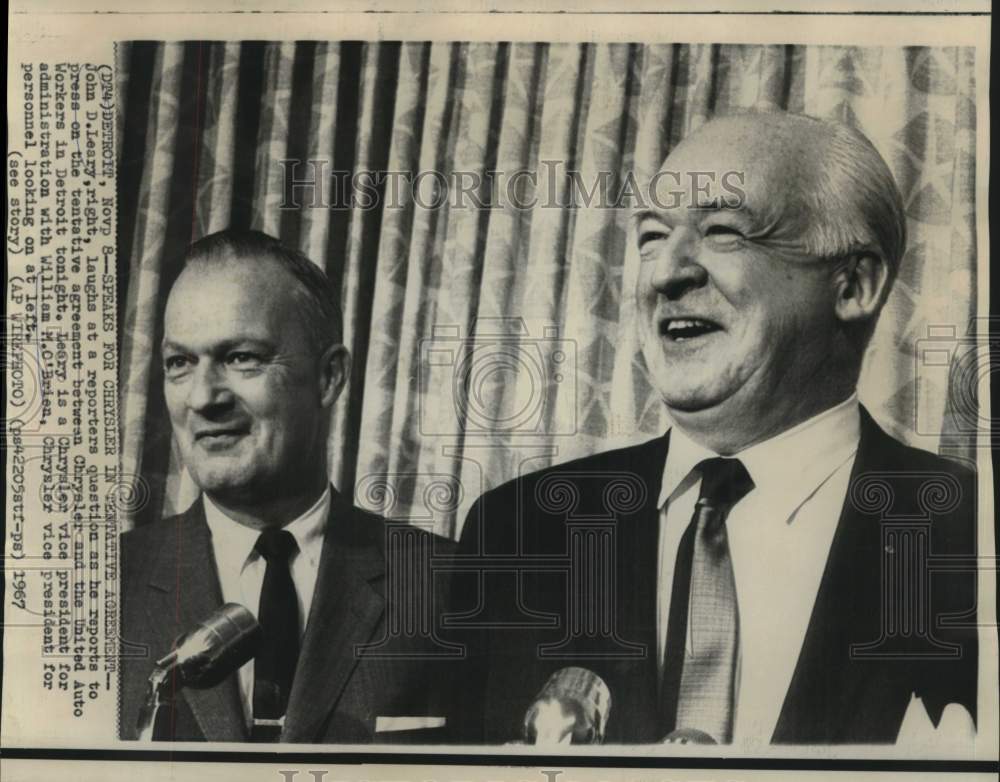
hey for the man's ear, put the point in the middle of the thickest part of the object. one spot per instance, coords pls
(334, 369)
(862, 287)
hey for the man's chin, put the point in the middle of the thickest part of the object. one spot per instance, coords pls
(224, 486)
(690, 401)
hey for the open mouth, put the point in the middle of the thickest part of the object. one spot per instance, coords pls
(684, 329)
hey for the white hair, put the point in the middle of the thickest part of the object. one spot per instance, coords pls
(853, 201)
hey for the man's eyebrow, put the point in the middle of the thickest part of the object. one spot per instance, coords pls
(723, 205)
(641, 214)
(221, 347)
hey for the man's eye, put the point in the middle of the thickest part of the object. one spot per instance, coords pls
(175, 363)
(723, 234)
(243, 360)
(653, 235)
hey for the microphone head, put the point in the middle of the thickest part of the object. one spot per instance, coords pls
(572, 708)
(214, 648)
(689, 736)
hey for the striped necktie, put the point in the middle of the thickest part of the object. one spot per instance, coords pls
(705, 698)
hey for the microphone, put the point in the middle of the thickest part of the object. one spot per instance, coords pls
(689, 736)
(201, 658)
(211, 650)
(572, 708)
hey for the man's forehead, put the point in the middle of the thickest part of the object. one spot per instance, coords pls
(740, 164)
(673, 209)
(235, 276)
(776, 130)
(703, 156)
(256, 297)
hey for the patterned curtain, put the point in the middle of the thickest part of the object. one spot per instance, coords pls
(491, 341)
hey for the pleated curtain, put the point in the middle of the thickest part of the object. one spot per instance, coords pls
(431, 419)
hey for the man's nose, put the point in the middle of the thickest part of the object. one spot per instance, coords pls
(209, 388)
(676, 268)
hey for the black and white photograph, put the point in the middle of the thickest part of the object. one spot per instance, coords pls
(562, 393)
(336, 254)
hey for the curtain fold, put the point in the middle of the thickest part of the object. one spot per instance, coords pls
(458, 193)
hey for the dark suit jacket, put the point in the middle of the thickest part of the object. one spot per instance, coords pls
(853, 680)
(170, 582)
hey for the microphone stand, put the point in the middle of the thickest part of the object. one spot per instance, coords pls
(201, 658)
(159, 697)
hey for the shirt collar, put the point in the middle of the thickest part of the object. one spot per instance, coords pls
(234, 543)
(683, 454)
(788, 468)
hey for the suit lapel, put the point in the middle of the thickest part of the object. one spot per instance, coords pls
(636, 712)
(186, 590)
(831, 694)
(347, 606)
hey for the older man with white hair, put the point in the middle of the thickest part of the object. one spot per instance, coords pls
(752, 594)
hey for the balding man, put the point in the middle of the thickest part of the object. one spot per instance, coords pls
(252, 365)
(744, 588)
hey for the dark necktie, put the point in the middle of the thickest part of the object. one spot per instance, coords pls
(705, 596)
(274, 666)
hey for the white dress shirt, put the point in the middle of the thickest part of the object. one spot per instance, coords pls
(779, 537)
(241, 568)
